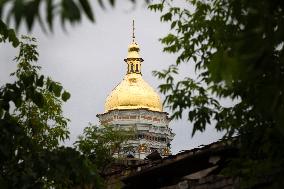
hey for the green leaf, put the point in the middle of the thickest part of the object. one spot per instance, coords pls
(30, 13)
(70, 11)
(65, 96)
(49, 13)
(112, 2)
(38, 99)
(12, 38)
(56, 88)
(39, 81)
(18, 10)
(87, 9)
(166, 17)
(173, 24)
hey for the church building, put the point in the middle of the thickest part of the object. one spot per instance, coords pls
(134, 105)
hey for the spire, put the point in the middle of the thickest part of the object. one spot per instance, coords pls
(133, 59)
(133, 31)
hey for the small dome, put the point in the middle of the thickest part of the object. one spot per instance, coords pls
(133, 93)
(133, 50)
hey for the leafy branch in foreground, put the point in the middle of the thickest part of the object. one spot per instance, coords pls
(46, 11)
(8, 34)
(31, 126)
(38, 109)
(237, 49)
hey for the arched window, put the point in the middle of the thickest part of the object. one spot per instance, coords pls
(132, 68)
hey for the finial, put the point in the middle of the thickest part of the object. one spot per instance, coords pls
(133, 29)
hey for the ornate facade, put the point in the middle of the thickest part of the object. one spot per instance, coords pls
(133, 104)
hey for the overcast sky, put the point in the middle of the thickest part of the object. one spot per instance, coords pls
(88, 61)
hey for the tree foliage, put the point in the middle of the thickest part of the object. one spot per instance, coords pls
(31, 12)
(100, 143)
(39, 108)
(8, 34)
(31, 126)
(237, 49)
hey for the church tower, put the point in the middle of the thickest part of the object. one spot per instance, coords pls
(133, 104)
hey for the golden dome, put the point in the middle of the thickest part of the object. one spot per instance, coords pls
(133, 92)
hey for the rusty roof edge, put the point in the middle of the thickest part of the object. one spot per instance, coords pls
(219, 145)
